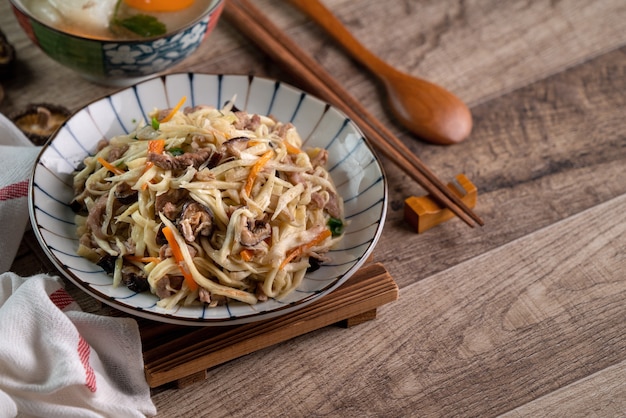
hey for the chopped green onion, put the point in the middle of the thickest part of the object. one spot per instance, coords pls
(155, 124)
(336, 226)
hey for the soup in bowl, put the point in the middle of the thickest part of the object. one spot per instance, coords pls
(117, 42)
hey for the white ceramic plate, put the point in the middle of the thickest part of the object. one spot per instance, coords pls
(353, 166)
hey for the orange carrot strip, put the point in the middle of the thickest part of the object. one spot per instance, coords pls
(113, 169)
(156, 146)
(256, 169)
(291, 149)
(246, 255)
(159, 6)
(178, 256)
(140, 259)
(298, 251)
(174, 110)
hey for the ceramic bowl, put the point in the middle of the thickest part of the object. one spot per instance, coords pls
(352, 164)
(118, 62)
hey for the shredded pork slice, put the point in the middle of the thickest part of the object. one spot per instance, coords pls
(293, 177)
(166, 252)
(181, 162)
(259, 293)
(101, 144)
(195, 220)
(209, 298)
(170, 202)
(125, 193)
(94, 219)
(247, 121)
(168, 285)
(189, 109)
(204, 175)
(204, 295)
(116, 153)
(320, 159)
(332, 206)
(282, 128)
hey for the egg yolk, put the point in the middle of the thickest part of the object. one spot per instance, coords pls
(159, 5)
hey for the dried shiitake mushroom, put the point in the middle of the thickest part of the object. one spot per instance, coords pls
(40, 120)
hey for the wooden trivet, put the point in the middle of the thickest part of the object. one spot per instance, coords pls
(182, 354)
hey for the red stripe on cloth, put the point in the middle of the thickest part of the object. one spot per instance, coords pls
(15, 190)
(83, 352)
(61, 298)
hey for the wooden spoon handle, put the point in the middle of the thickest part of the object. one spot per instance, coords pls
(327, 20)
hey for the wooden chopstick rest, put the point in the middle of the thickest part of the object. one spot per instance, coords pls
(424, 212)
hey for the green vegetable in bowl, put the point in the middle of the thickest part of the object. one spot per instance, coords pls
(139, 24)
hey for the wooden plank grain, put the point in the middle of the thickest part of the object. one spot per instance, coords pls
(478, 50)
(606, 389)
(538, 155)
(485, 336)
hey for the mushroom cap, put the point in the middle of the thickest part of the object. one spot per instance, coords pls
(39, 121)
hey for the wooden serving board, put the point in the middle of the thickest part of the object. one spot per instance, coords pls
(182, 354)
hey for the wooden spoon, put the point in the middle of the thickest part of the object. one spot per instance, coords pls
(426, 109)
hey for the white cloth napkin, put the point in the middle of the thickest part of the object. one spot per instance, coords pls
(57, 361)
(16, 164)
(17, 155)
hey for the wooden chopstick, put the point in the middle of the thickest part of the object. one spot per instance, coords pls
(251, 21)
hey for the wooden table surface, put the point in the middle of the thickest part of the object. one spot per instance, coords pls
(525, 316)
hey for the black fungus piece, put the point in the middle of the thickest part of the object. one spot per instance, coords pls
(214, 160)
(138, 284)
(160, 236)
(107, 263)
(314, 264)
(134, 279)
(79, 208)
